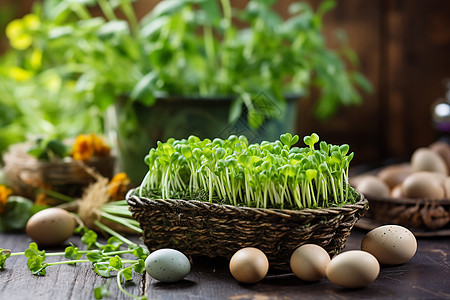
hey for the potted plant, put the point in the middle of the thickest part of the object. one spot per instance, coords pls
(240, 63)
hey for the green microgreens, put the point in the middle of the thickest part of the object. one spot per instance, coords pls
(105, 258)
(267, 175)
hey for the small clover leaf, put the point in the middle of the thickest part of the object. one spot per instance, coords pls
(115, 262)
(103, 270)
(4, 255)
(139, 266)
(37, 265)
(33, 251)
(101, 291)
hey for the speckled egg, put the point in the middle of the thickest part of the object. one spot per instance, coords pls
(167, 265)
(390, 244)
(353, 269)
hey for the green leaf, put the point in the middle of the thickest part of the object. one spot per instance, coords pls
(212, 11)
(325, 7)
(113, 27)
(4, 255)
(18, 211)
(362, 81)
(34, 251)
(37, 265)
(115, 262)
(144, 85)
(72, 253)
(126, 274)
(286, 139)
(114, 243)
(139, 252)
(102, 270)
(58, 148)
(235, 110)
(168, 7)
(139, 267)
(255, 119)
(101, 291)
(96, 256)
(89, 238)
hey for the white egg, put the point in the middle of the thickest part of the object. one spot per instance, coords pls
(167, 265)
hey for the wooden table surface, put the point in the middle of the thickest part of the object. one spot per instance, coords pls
(425, 276)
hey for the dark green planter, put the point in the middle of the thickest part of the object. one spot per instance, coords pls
(134, 128)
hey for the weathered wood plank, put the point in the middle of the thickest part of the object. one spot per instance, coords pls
(420, 278)
(60, 282)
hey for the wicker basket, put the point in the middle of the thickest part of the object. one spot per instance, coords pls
(216, 230)
(25, 174)
(424, 217)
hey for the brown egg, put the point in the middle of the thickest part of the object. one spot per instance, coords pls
(443, 150)
(425, 185)
(353, 269)
(249, 265)
(424, 159)
(447, 188)
(396, 192)
(355, 180)
(373, 186)
(395, 174)
(51, 226)
(309, 262)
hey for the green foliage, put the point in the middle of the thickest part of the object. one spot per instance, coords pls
(267, 175)
(47, 149)
(17, 212)
(66, 66)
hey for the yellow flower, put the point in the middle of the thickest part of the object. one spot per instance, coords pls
(19, 32)
(118, 186)
(87, 146)
(100, 148)
(82, 149)
(5, 192)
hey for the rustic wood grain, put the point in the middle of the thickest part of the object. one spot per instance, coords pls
(423, 277)
(60, 282)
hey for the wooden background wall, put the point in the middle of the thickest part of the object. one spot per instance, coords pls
(404, 50)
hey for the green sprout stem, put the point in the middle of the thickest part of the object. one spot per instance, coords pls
(130, 223)
(114, 233)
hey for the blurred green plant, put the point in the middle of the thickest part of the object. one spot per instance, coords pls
(68, 65)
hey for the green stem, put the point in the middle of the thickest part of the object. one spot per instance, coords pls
(56, 195)
(114, 233)
(129, 13)
(227, 14)
(119, 284)
(68, 262)
(107, 9)
(80, 10)
(130, 223)
(117, 210)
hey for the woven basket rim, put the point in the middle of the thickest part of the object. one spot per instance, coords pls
(264, 211)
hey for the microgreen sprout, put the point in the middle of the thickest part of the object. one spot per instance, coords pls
(266, 175)
(106, 259)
